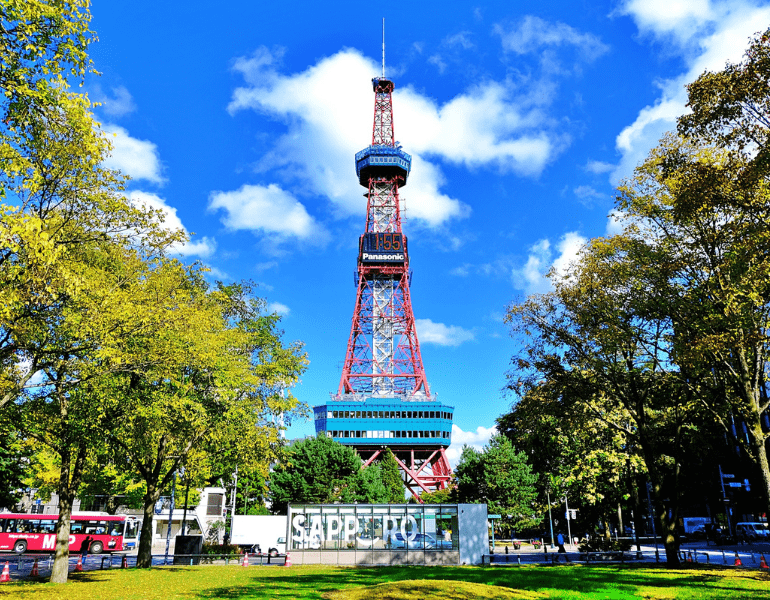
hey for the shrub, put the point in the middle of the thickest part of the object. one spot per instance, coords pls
(603, 544)
(220, 549)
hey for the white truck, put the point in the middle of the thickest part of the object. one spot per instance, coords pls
(264, 534)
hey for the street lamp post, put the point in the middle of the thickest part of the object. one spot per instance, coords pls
(550, 517)
(170, 516)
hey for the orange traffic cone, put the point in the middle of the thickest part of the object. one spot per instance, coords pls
(124, 564)
(763, 562)
(287, 562)
(6, 576)
(738, 562)
(34, 572)
(79, 566)
(245, 560)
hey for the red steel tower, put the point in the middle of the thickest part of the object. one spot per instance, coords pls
(383, 399)
(383, 354)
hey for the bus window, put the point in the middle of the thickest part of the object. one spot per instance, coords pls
(76, 527)
(116, 528)
(48, 526)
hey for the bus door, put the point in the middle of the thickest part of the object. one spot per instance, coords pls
(130, 533)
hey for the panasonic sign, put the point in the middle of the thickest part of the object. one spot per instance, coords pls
(394, 257)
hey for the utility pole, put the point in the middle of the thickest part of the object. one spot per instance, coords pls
(569, 530)
(170, 516)
(652, 520)
(725, 500)
(232, 509)
(550, 518)
(186, 496)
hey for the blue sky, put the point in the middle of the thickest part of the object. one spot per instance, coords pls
(241, 120)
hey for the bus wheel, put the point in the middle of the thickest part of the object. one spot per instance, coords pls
(20, 547)
(96, 548)
(273, 552)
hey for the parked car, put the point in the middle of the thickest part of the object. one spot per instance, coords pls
(420, 541)
(752, 531)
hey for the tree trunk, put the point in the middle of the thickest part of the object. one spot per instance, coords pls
(61, 561)
(69, 482)
(144, 556)
(670, 538)
(667, 526)
(637, 511)
(760, 451)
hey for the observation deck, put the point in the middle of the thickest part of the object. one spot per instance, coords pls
(383, 161)
(393, 422)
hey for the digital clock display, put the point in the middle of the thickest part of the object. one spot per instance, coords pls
(383, 247)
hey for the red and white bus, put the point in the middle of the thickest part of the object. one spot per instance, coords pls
(95, 532)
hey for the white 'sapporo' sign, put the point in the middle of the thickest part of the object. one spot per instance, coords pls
(343, 528)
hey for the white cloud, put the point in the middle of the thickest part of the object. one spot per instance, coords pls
(476, 439)
(460, 39)
(137, 158)
(328, 114)
(616, 223)
(277, 307)
(534, 33)
(483, 127)
(532, 276)
(429, 332)
(202, 247)
(462, 271)
(435, 59)
(264, 266)
(681, 19)
(116, 104)
(218, 274)
(588, 194)
(267, 209)
(598, 167)
(707, 35)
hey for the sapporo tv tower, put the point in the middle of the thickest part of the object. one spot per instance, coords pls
(383, 399)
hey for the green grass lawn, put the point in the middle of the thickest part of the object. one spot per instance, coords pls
(399, 583)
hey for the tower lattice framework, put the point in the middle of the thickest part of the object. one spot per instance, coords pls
(383, 358)
(383, 354)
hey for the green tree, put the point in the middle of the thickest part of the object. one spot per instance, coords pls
(713, 187)
(390, 474)
(215, 388)
(573, 451)
(602, 339)
(13, 459)
(320, 470)
(501, 477)
(446, 496)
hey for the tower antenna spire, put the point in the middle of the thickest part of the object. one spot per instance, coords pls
(383, 47)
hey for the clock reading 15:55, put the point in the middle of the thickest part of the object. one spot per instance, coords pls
(383, 242)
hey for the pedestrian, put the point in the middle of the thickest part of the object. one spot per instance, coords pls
(85, 547)
(561, 550)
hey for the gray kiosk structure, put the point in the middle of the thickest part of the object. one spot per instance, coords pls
(387, 534)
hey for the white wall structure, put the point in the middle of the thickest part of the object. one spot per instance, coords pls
(474, 533)
(199, 520)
